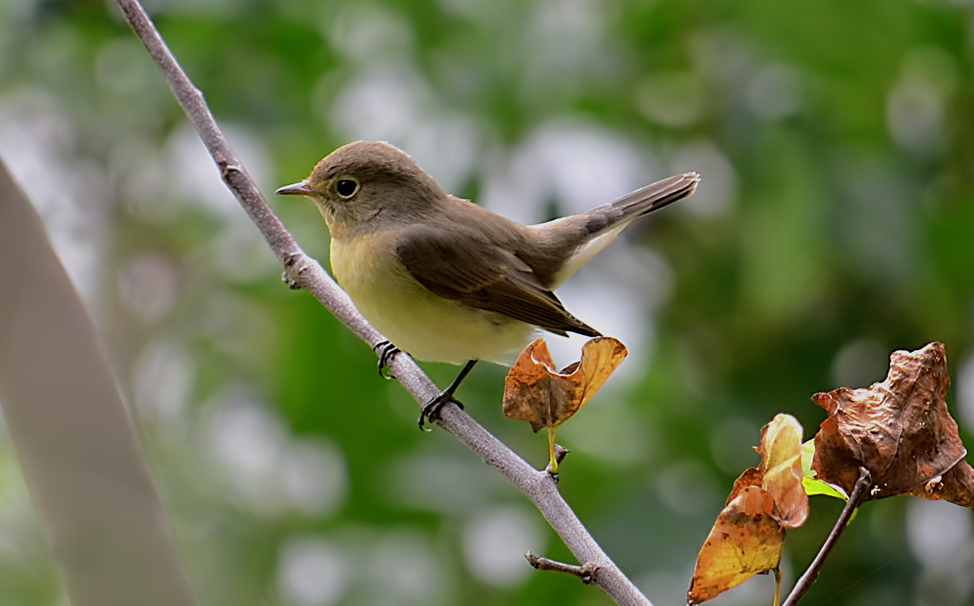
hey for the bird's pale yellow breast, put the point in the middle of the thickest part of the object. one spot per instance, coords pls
(425, 325)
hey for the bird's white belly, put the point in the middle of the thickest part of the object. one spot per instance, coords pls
(425, 325)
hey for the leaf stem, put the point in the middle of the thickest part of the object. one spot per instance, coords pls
(553, 460)
(777, 585)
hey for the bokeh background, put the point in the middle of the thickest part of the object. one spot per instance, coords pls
(834, 224)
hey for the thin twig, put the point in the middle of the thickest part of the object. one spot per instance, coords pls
(586, 572)
(305, 272)
(859, 492)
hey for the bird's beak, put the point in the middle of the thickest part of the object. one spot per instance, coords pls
(295, 189)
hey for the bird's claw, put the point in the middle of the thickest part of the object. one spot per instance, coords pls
(432, 409)
(386, 351)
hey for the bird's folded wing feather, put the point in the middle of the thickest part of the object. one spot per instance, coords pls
(464, 265)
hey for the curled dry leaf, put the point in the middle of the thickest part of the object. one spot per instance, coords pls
(781, 470)
(537, 393)
(899, 430)
(956, 486)
(749, 533)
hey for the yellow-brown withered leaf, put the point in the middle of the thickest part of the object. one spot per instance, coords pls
(781, 470)
(749, 533)
(544, 397)
(744, 541)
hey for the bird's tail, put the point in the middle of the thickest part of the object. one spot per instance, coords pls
(578, 238)
(640, 202)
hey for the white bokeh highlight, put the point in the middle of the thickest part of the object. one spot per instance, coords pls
(495, 541)
(391, 101)
(940, 536)
(717, 190)
(312, 571)
(37, 139)
(860, 363)
(915, 115)
(367, 32)
(774, 92)
(148, 285)
(939, 533)
(443, 483)
(270, 471)
(401, 568)
(965, 390)
(688, 488)
(579, 165)
(162, 382)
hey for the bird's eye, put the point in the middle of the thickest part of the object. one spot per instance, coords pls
(346, 188)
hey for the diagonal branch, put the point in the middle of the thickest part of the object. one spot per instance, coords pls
(303, 271)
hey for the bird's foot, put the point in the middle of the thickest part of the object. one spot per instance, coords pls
(387, 351)
(431, 410)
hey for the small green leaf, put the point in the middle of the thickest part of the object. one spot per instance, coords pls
(812, 485)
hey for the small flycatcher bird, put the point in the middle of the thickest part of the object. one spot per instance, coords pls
(444, 279)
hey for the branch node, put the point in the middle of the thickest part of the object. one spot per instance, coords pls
(560, 453)
(586, 572)
(295, 267)
(226, 168)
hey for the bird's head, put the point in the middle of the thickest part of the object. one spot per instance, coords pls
(366, 185)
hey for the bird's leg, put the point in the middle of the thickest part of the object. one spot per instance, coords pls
(386, 351)
(431, 410)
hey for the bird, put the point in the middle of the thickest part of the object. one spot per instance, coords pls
(447, 280)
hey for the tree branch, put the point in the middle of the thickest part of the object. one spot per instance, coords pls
(585, 573)
(859, 492)
(539, 486)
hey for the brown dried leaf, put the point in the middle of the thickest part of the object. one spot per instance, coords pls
(956, 486)
(744, 541)
(535, 392)
(899, 429)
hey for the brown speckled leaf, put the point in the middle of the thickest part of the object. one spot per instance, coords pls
(899, 429)
(744, 541)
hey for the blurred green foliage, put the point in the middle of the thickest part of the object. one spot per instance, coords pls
(835, 224)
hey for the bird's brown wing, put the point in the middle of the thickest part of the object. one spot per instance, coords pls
(465, 265)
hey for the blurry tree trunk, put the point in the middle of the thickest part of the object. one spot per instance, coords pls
(100, 512)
